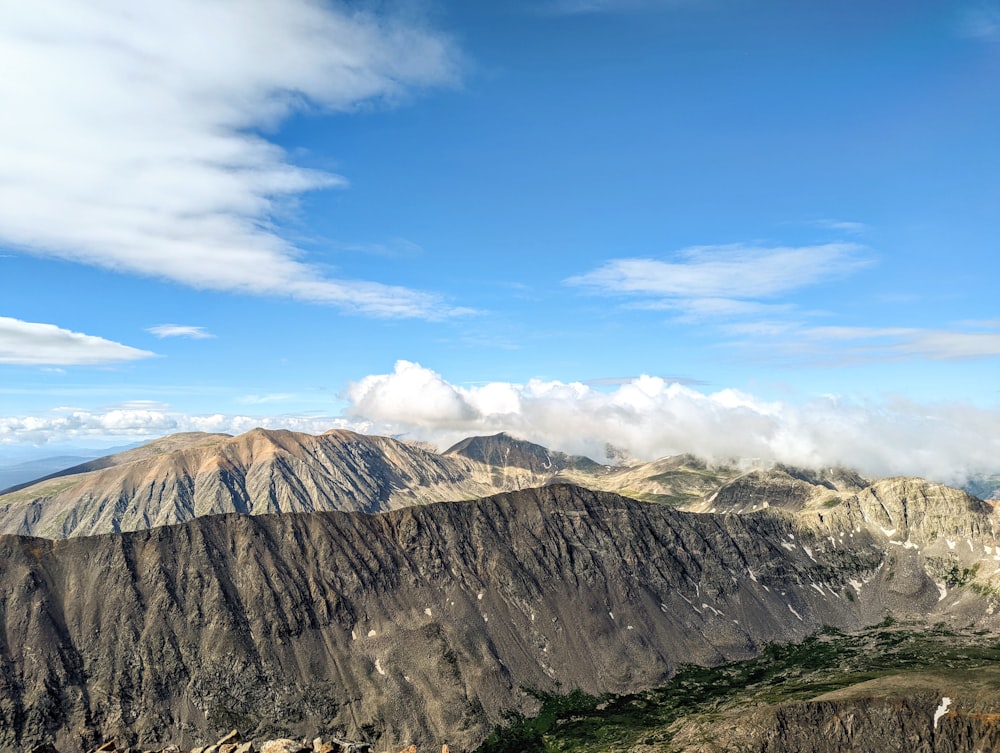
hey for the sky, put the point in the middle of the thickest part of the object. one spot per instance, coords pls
(762, 229)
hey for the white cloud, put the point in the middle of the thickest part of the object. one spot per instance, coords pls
(131, 136)
(274, 397)
(586, 7)
(140, 423)
(650, 416)
(35, 343)
(982, 22)
(722, 280)
(653, 417)
(849, 344)
(180, 330)
(844, 226)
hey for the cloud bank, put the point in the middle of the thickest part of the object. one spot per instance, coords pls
(38, 344)
(132, 134)
(652, 417)
(648, 416)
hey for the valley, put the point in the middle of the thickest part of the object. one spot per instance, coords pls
(360, 588)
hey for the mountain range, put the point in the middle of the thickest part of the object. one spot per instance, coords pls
(361, 587)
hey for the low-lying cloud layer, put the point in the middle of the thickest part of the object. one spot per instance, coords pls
(131, 136)
(649, 416)
(652, 417)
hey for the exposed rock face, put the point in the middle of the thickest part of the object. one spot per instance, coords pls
(260, 472)
(417, 625)
(914, 723)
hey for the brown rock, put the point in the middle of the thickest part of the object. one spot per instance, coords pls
(444, 748)
(230, 739)
(284, 745)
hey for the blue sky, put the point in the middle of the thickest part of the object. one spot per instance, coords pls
(762, 229)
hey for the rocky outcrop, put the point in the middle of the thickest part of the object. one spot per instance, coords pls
(417, 625)
(923, 722)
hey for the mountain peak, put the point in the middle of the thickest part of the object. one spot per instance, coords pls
(503, 450)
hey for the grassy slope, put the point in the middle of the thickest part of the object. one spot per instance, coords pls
(886, 659)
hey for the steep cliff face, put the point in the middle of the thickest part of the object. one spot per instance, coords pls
(415, 625)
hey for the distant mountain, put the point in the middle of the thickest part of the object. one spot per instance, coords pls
(423, 625)
(29, 471)
(984, 487)
(503, 451)
(189, 475)
(183, 476)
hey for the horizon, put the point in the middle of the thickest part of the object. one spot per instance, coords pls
(723, 229)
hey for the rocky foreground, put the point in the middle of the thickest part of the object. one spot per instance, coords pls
(233, 743)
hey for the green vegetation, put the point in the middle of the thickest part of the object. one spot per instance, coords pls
(826, 661)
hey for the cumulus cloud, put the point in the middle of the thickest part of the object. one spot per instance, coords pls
(649, 416)
(37, 344)
(653, 417)
(180, 330)
(132, 134)
(721, 280)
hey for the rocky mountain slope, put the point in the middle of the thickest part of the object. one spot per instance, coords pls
(422, 624)
(188, 475)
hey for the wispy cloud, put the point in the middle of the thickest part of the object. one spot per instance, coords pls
(583, 7)
(951, 345)
(131, 137)
(38, 344)
(843, 226)
(839, 345)
(722, 280)
(981, 22)
(274, 397)
(180, 330)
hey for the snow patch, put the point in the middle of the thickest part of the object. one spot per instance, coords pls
(795, 613)
(427, 611)
(818, 588)
(354, 635)
(611, 615)
(856, 584)
(950, 543)
(943, 590)
(941, 710)
(372, 633)
(378, 667)
(752, 576)
(890, 532)
(789, 547)
(808, 552)
(479, 596)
